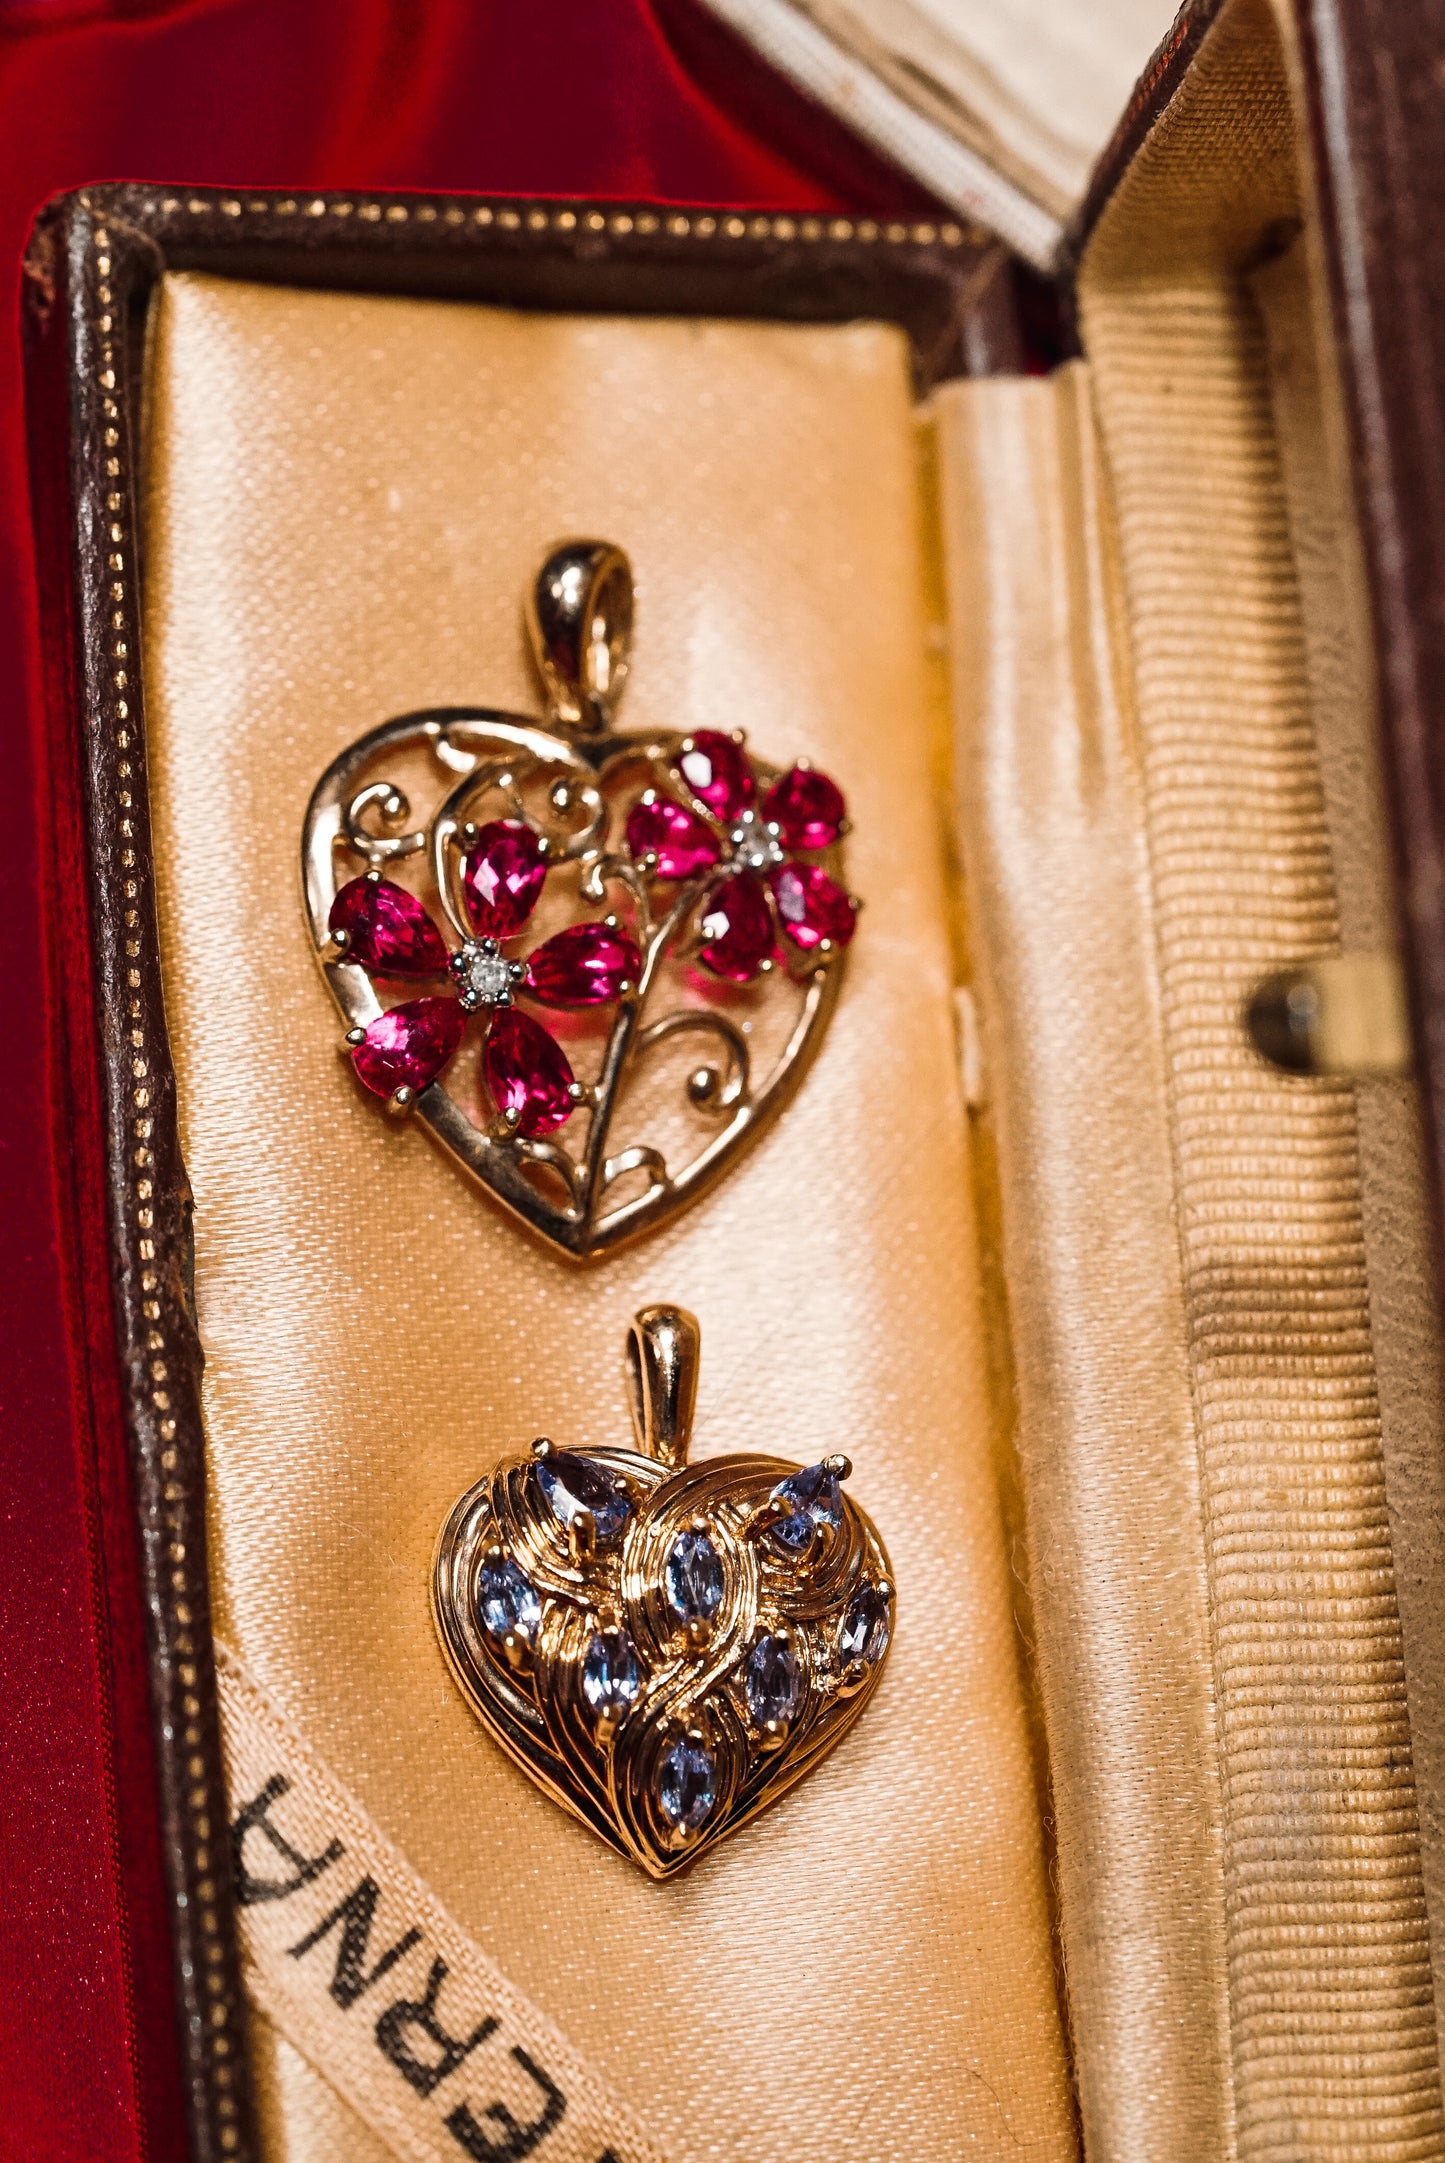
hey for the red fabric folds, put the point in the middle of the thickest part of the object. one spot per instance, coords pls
(551, 97)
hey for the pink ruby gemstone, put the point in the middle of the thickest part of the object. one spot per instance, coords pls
(737, 928)
(806, 807)
(678, 838)
(502, 877)
(527, 1072)
(387, 929)
(585, 965)
(717, 771)
(407, 1048)
(812, 907)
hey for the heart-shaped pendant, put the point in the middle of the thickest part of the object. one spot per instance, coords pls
(664, 1647)
(687, 890)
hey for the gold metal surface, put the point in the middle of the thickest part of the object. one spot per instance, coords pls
(801, 1600)
(579, 614)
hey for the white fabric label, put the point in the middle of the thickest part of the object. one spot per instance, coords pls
(366, 1974)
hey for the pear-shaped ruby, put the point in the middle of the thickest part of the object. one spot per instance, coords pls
(502, 877)
(717, 771)
(806, 807)
(585, 965)
(812, 907)
(682, 842)
(387, 929)
(527, 1072)
(408, 1047)
(737, 928)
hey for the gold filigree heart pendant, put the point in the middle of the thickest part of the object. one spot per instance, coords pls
(586, 906)
(664, 1647)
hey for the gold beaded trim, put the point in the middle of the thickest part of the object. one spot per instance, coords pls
(557, 218)
(211, 1986)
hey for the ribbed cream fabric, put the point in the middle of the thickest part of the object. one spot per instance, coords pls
(1331, 2010)
(1051, 810)
(1404, 1310)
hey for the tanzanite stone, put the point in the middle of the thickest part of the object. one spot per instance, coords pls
(813, 1497)
(507, 1600)
(687, 1784)
(693, 1578)
(772, 1680)
(864, 1631)
(611, 1672)
(571, 1485)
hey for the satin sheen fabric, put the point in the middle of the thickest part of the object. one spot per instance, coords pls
(347, 497)
(1050, 806)
(559, 97)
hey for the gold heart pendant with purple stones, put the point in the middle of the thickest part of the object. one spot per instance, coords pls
(666, 1648)
(650, 895)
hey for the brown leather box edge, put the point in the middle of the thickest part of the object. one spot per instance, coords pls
(93, 263)
(1375, 91)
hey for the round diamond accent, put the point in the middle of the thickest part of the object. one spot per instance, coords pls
(484, 973)
(693, 1578)
(687, 1784)
(755, 843)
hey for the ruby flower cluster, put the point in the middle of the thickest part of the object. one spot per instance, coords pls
(764, 892)
(528, 1075)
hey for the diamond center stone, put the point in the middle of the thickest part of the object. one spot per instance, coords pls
(484, 973)
(755, 845)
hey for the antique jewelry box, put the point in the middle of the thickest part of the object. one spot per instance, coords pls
(1100, 1238)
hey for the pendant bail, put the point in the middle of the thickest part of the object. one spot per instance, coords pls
(579, 615)
(664, 1350)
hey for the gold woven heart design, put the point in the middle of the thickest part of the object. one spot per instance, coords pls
(679, 895)
(664, 1648)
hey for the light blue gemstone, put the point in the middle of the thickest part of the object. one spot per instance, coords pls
(865, 1629)
(611, 1672)
(813, 1497)
(772, 1680)
(693, 1578)
(507, 1600)
(571, 1485)
(687, 1784)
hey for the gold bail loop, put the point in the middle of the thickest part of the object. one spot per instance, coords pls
(579, 614)
(664, 1348)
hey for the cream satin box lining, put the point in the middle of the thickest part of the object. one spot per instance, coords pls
(1219, 1368)
(346, 499)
